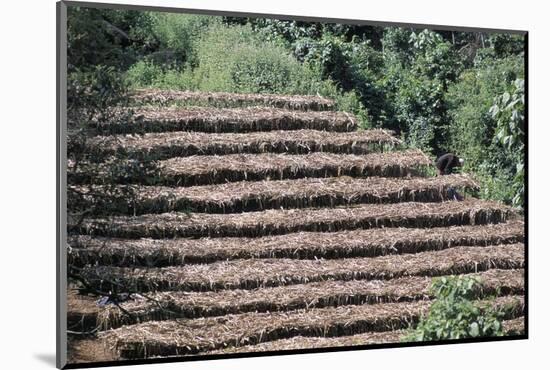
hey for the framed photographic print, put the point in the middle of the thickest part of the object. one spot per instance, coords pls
(239, 184)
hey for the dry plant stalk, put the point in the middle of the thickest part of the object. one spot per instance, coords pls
(259, 195)
(184, 336)
(203, 170)
(166, 145)
(216, 120)
(303, 245)
(276, 222)
(511, 327)
(207, 170)
(170, 305)
(224, 99)
(256, 273)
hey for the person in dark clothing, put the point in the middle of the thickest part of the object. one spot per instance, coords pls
(447, 162)
(445, 165)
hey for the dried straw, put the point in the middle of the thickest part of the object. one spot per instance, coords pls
(514, 326)
(206, 170)
(275, 222)
(260, 195)
(255, 273)
(224, 99)
(162, 119)
(82, 312)
(343, 244)
(511, 327)
(183, 336)
(170, 305)
(182, 144)
(299, 342)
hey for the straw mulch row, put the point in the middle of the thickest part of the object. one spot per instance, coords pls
(85, 315)
(302, 245)
(283, 221)
(515, 326)
(206, 170)
(256, 273)
(161, 119)
(184, 336)
(511, 327)
(224, 99)
(300, 342)
(259, 195)
(166, 145)
(170, 305)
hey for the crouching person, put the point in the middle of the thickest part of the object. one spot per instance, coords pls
(445, 166)
(447, 163)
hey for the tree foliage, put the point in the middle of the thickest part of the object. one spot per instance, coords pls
(473, 129)
(508, 111)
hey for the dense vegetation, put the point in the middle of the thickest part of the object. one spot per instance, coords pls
(455, 313)
(441, 91)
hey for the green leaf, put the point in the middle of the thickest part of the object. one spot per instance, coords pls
(505, 98)
(474, 329)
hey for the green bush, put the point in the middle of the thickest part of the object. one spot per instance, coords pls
(418, 68)
(144, 73)
(505, 45)
(236, 59)
(455, 314)
(177, 35)
(473, 128)
(115, 38)
(508, 111)
(92, 91)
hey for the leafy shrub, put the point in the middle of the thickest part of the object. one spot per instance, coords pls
(508, 111)
(144, 73)
(235, 59)
(473, 129)
(177, 35)
(505, 45)
(455, 314)
(395, 42)
(418, 69)
(115, 38)
(92, 91)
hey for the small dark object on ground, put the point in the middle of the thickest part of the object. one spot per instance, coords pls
(116, 298)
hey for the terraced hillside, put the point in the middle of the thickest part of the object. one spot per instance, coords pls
(267, 222)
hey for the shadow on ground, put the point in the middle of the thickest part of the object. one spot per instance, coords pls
(47, 358)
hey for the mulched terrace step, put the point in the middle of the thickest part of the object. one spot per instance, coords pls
(302, 245)
(256, 273)
(164, 145)
(224, 99)
(511, 327)
(216, 120)
(184, 336)
(331, 293)
(259, 195)
(207, 170)
(275, 222)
